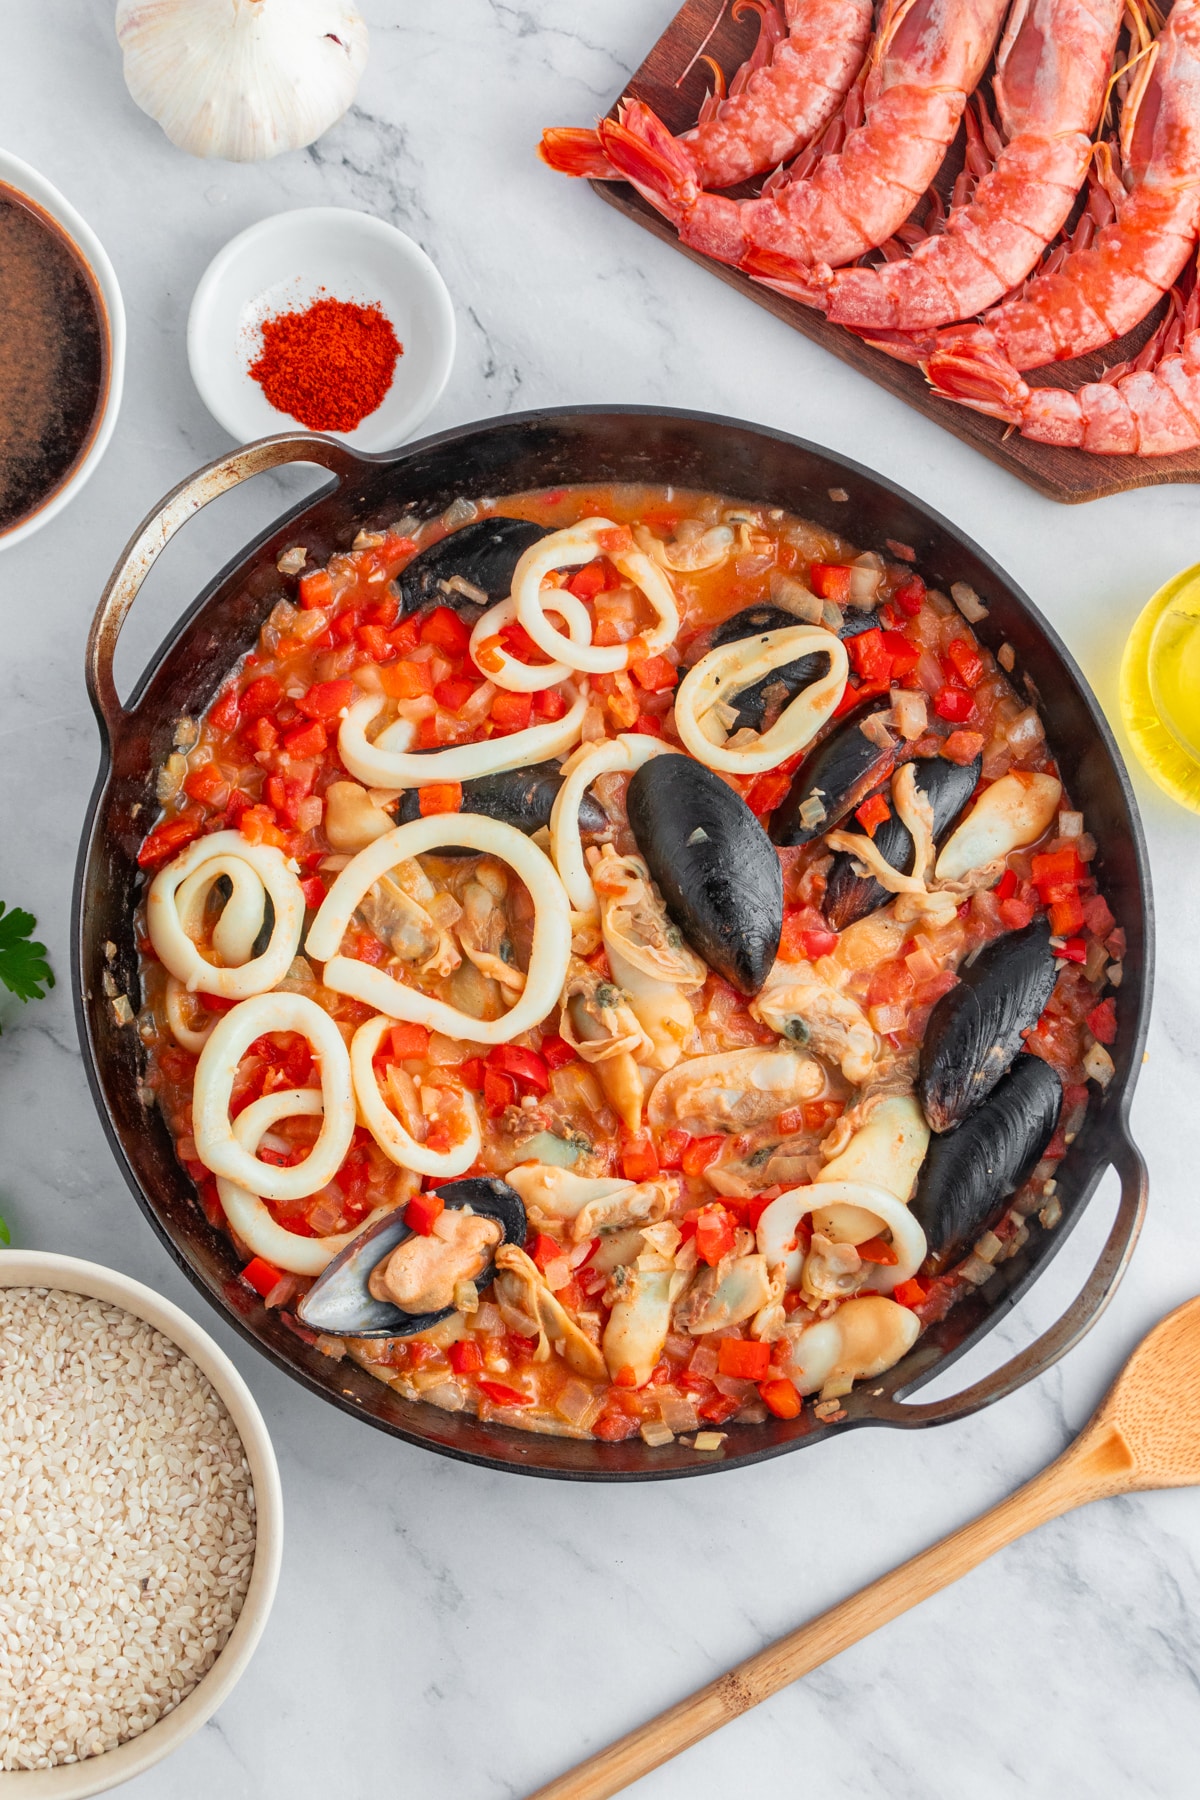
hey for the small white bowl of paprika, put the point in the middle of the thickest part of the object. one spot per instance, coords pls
(326, 318)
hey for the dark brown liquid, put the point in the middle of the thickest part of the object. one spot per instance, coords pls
(53, 357)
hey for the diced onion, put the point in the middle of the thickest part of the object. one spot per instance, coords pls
(178, 892)
(968, 602)
(549, 955)
(218, 1144)
(387, 1129)
(1099, 1064)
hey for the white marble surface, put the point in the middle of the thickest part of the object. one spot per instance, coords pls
(440, 1630)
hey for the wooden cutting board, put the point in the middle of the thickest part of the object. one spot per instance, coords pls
(673, 81)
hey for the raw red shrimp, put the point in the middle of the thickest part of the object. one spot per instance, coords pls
(927, 58)
(787, 91)
(1051, 73)
(1147, 407)
(1100, 290)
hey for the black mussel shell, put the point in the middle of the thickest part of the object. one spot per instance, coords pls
(485, 554)
(974, 1031)
(752, 621)
(948, 786)
(783, 684)
(968, 1174)
(854, 623)
(841, 772)
(719, 875)
(519, 797)
(338, 1303)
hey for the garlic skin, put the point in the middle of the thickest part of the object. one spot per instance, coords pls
(242, 79)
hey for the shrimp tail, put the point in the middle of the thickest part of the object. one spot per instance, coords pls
(573, 151)
(981, 379)
(807, 282)
(640, 148)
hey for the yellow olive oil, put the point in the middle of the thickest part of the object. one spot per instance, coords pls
(1160, 688)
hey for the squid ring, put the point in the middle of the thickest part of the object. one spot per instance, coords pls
(628, 751)
(387, 1129)
(566, 550)
(188, 1037)
(509, 671)
(217, 1142)
(252, 1221)
(777, 1228)
(387, 763)
(732, 667)
(551, 927)
(177, 892)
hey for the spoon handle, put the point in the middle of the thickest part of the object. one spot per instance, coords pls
(1066, 1483)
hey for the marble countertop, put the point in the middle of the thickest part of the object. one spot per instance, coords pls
(440, 1629)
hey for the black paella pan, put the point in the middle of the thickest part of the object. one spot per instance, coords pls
(539, 450)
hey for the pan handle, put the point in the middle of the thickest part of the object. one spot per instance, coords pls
(1062, 1336)
(156, 531)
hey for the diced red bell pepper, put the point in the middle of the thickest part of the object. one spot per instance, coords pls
(440, 797)
(715, 1233)
(261, 1275)
(544, 1250)
(856, 696)
(1074, 950)
(525, 1066)
(639, 1159)
(548, 703)
(818, 943)
(407, 634)
(408, 1039)
(511, 712)
(307, 740)
(556, 1053)
(654, 673)
(831, 581)
(909, 1293)
(749, 1212)
(445, 631)
(872, 813)
(954, 704)
(1006, 887)
(1102, 1021)
(719, 1408)
(453, 694)
(869, 656)
(962, 747)
(466, 1358)
(904, 656)
(648, 724)
(790, 1121)
(316, 589)
(743, 1358)
(500, 1394)
(471, 1073)
(406, 680)
(499, 1091)
(206, 784)
(700, 1152)
(375, 641)
(878, 1250)
(423, 1212)
(1057, 869)
(595, 577)
(262, 734)
(325, 699)
(780, 1397)
(223, 713)
(820, 1113)
(910, 596)
(261, 697)
(1066, 916)
(671, 1147)
(313, 889)
(966, 661)
(166, 840)
(767, 792)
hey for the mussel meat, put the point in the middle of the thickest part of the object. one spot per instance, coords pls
(948, 786)
(974, 1031)
(969, 1174)
(482, 555)
(837, 776)
(714, 865)
(519, 797)
(354, 1296)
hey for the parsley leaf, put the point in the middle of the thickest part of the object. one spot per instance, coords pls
(23, 966)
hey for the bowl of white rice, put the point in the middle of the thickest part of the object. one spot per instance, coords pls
(141, 1527)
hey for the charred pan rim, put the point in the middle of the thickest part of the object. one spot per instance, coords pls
(630, 443)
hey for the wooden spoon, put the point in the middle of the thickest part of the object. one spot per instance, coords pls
(1145, 1435)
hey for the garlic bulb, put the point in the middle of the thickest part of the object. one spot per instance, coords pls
(242, 79)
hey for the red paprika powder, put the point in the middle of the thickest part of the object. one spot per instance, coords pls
(329, 366)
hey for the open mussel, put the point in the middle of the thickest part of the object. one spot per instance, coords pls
(358, 1295)
(947, 786)
(974, 1031)
(714, 865)
(481, 556)
(835, 777)
(970, 1173)
(519, 797)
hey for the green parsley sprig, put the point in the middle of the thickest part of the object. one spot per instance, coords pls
(24, 969)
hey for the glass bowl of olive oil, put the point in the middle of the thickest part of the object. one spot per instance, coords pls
(1160, 688)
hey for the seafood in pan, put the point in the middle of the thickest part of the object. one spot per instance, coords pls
(638, 995)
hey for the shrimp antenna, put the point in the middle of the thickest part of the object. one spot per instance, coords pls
(1145, 22)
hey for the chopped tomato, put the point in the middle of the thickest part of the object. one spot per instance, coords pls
(544, 1250)
(614, 1426)
(671, 1148)
(262, 696)
(499, 1092)
(718, 1409)
(369, 949)
(453, 694)
(818, 943)
(954, 704)
(596, 577)
(639, 1160)
(375, 641)
(1016, 914)
(831, 581)
(654, 673)
(962, 747)
(715, 1233)
(750, 1211)
(878, 1250)
(223, 713)
(345, 625)
(872, 813)
(423, 1212)
(790, 1121)
(1074, 950)
(501, 1394)
(445, 631)
(743, 1358)
(466, 1358)
(408, 1039)
(257, 825)
(648, 724)
(325, 699)
(1006, 887)
(1099, 916)
(261, 1275)
(820, 1113)
(511, 712)
(407, 634)
(316, 589)
(1066, 916)
(307, 740)
(869, 656)
(700, 1152)
(206, 784)
(525, 1066)
(471, 1073)
(406, 680)
(556, 1053)
(313, 889)
(909, 1293)
(1102, 1021)
(904, 656)
(548, 703)
(966, 661)
(440, 797)
(263, 735)
(780, 1397)
(910, 596)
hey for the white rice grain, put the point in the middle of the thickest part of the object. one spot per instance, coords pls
(126, 1527)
